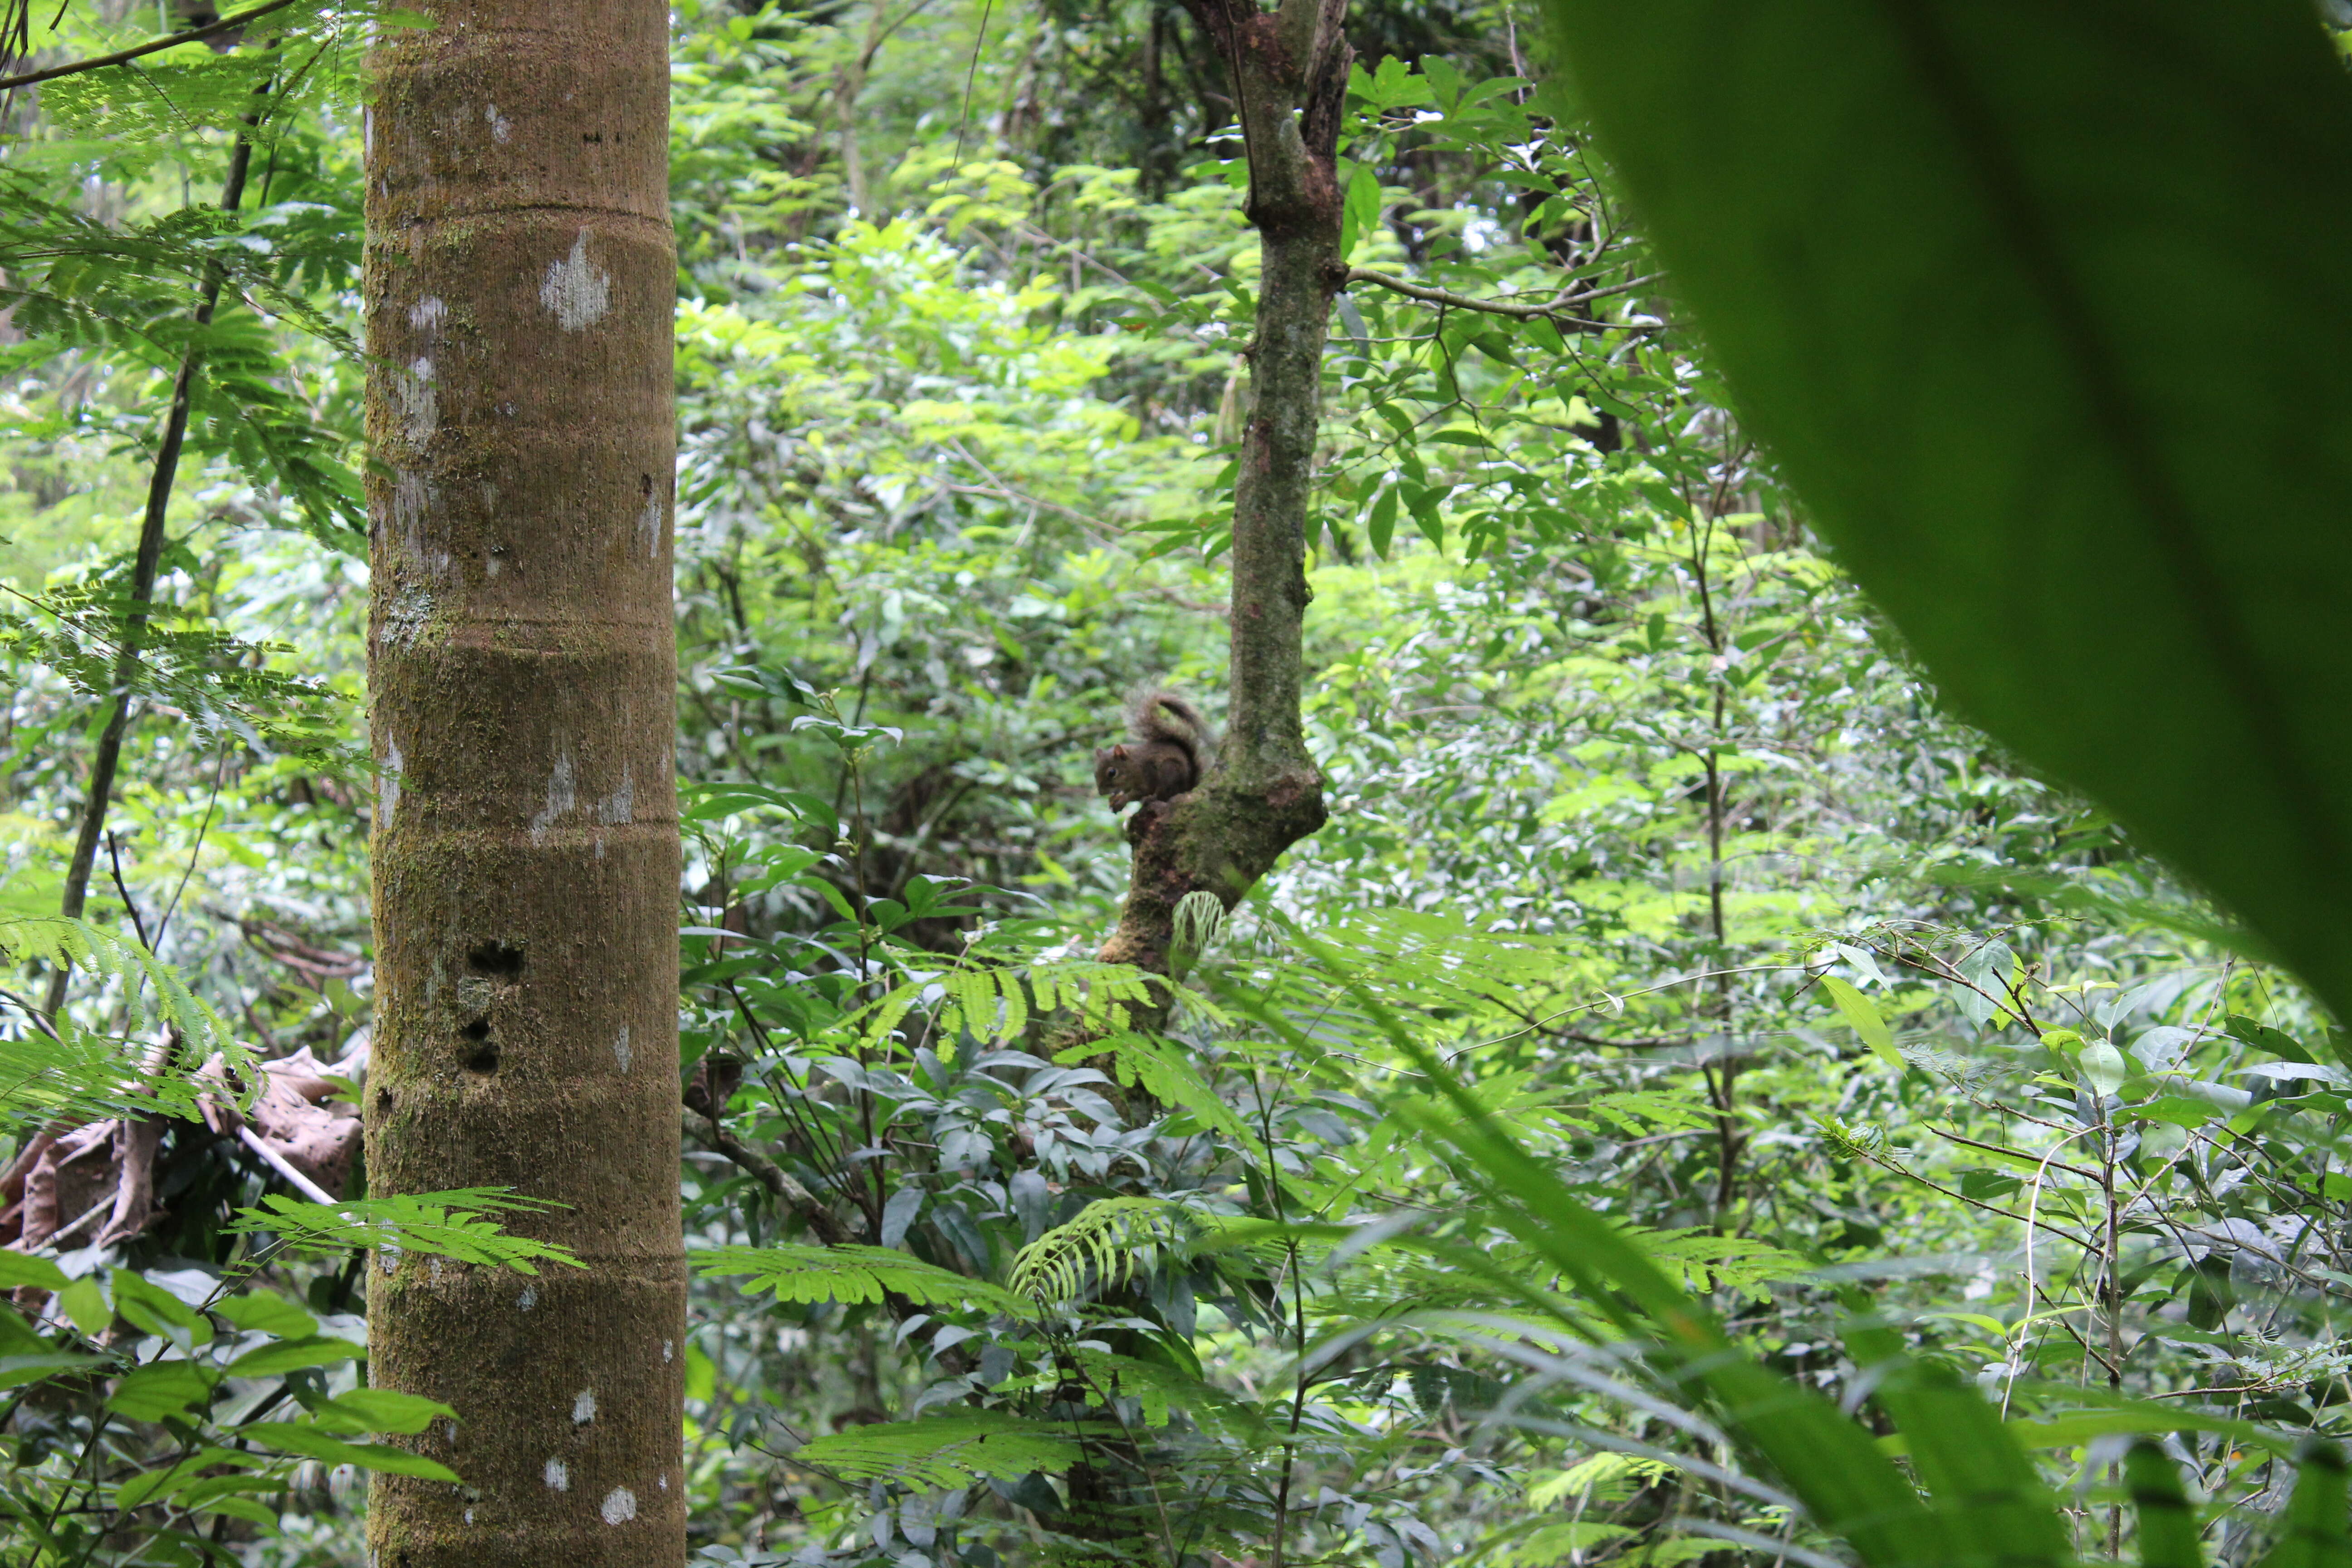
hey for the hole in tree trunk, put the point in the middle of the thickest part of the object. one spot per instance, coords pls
(484, 1057)
(500, 958)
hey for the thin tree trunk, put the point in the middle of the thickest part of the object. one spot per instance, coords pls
(1262, 793)
(108, 758)
(520, 279)
(1289, 70)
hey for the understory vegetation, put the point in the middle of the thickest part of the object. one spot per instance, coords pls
(1661, 893)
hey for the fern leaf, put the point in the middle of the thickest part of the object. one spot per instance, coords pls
(1163, 1070)
(944, 1452)
(76, 1073)
(1107, 1241)
(60, 938)
(1162, 1390)
(460, 1225)
(854, 1274)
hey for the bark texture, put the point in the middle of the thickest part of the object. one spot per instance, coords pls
(1289, 71)
(520, 275)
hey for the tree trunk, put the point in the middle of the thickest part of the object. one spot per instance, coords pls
(519, 283)
(1289, 70)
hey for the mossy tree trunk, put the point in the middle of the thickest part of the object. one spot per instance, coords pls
(1289, 72)
(520, 282)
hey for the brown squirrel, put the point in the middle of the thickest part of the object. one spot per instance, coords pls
(1170, 750)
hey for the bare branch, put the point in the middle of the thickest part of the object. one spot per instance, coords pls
(766, 1172)
(1550, 310)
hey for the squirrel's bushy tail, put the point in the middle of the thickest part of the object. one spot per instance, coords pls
(1164, 716)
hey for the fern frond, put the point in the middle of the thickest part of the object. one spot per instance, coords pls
(77, 1074)
(1162, 1390)
(1163, 1070)
(60, 938)
(460, 1225)
(852, 1274)
(1107, 1241)
(1705, 1260)
(944, 1452)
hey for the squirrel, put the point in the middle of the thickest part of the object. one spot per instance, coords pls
(1169, 751)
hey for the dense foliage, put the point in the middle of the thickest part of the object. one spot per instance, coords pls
(1650, 849)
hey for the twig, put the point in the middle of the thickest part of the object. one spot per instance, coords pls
(2016, 1154)
(278, 1162)
(1549, 309)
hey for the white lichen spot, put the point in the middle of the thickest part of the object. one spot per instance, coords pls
(559, 1474)
(579, 292)
(620, 1504)
(583, 1409)
(621, 805)
(500, 126)
(418, 405)
(412, 504)
(561, 796)
(427, 314)
(664, 1481)
(469, 1516)
(449, 1432)
(669, 1349)
(405, 618)
(528, 1299)
(649, 527)
(387, 784)
(621, 1048)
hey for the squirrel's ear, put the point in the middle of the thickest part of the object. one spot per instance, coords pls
(1119, 754)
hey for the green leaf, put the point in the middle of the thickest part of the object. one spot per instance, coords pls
(17, 1269)
(2179, 1110)
(16, 1370)
(2314, 1533)
(2168, 1525)
(1992, 1505)
(288, 1355)
(1857, 1011)
(1361, 213)
(152, 1486)
(1380, 526)
(1937, 249)
(302, 1438)
(385, 1410)
(262, 1312)
(159, 1389)
(2103, 1068)
(85, 1306)
(1847, 1484)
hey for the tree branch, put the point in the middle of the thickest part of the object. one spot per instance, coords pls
(1550, 310)
(99, 62)
(766, 1172)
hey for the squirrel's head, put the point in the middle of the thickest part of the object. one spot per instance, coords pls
(1108, 762)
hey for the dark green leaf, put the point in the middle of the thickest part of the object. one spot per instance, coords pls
(1940, 250)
